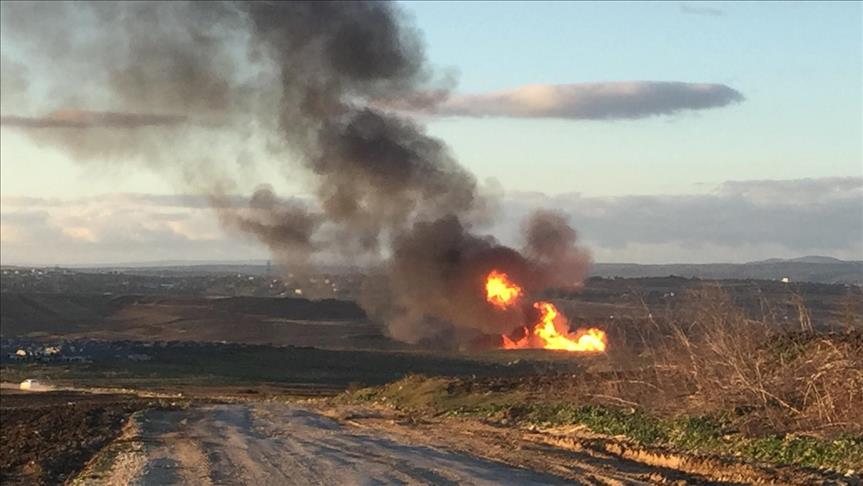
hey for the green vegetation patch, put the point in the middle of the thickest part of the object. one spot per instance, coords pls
(841, 453)
(711, 434)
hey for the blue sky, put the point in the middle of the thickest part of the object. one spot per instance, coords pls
(795, 137)
(798, 65)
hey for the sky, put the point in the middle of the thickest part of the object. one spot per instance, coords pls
(767, 161)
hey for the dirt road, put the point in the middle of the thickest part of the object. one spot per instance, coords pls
(265, 443)
(283, 444)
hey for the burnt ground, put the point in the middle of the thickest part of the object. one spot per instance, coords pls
(47, 437)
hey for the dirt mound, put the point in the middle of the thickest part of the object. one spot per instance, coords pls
(28, 313)
(327, 309)
(47, 437)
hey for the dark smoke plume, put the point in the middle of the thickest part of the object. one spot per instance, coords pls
(292, 82)
(550, 243)
(285, 227)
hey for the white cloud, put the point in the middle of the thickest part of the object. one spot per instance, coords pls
(740, 221)
(585, 101)
(82, 119)
(116, 228)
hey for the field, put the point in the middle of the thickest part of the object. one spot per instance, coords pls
(47, 437)
(338, 324)
(731, 382)
(181, 366)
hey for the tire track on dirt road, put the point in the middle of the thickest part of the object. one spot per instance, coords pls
(277, 444)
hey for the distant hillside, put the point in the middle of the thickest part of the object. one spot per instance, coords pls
(818, 269)
(803, 259)
(805, 269)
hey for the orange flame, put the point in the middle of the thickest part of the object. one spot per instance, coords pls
(500, 291)
(549, 333)
(520, 343)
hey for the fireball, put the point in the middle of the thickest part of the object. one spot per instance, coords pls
(500, 291)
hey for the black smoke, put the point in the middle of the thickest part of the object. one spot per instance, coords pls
(296, 82)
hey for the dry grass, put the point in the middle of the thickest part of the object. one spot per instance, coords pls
(707, 357)
(776, 376)
(705, 377)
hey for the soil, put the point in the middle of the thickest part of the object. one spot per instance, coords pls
(574, 453)
(284, 444)
(83, 438)
(46, 437)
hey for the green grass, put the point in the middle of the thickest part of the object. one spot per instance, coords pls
(840, 453)
(710, 434)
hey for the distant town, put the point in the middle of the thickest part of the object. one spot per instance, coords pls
(177, 283)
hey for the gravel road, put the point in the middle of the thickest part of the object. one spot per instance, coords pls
(275, 444)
